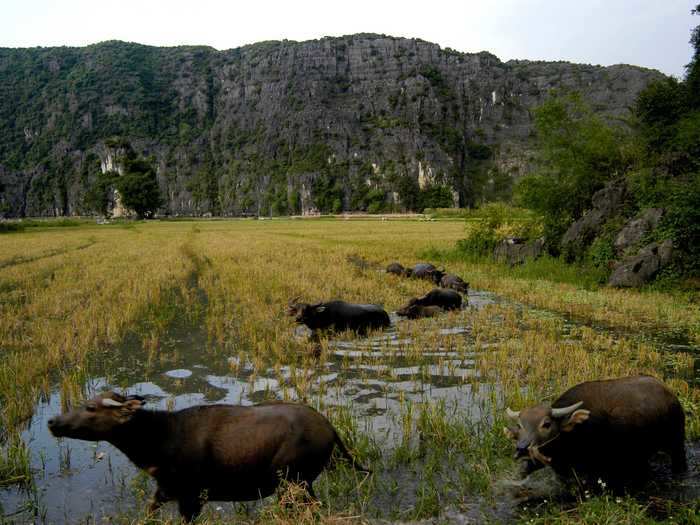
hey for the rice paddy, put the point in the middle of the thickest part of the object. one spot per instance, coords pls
(194, 312)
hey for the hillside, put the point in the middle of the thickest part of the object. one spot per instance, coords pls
(350, 123)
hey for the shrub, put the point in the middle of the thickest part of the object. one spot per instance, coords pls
(494, 222)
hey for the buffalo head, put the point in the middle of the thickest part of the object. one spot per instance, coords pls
(97, 419)
(540, 425)
(312, 315)
(410, 306)
(436, 275)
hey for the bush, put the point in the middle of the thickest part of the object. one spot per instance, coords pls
(601, 252)
(494, 222)
(435, 197)
(11, 227)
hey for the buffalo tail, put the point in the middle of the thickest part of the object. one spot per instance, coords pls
(346, 455)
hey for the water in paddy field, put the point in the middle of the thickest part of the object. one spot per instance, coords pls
(374, 378)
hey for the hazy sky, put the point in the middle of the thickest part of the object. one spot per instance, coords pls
(651, 33)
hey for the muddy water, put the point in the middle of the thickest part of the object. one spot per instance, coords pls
(374, 378)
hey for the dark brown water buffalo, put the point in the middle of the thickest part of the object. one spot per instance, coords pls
(213, 452)
(339, 316)
(397, 269)
(416, 311)
(426, 271)
(445, 299)
(455, 282)
(603, 428)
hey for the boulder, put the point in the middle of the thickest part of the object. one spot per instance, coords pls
(642, 268)
(607, 203)
(516, 251)
(635, 230)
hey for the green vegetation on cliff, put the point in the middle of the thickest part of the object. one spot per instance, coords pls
(361, 122)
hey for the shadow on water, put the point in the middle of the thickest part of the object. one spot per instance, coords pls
(374, 378)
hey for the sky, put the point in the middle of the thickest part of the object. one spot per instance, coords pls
(649, 33)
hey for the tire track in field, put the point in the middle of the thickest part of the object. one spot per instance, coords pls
(20, 259)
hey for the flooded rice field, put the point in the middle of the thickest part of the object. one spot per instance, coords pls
(385, 387)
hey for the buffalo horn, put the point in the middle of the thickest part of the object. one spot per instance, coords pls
(511, 414)
(292, 301)
(136, 398)
(109, 402)
(561, 412)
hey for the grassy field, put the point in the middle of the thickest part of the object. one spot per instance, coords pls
(68, 296)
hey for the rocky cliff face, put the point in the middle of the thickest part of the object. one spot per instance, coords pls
(356, 122)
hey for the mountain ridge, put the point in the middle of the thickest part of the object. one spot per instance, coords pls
(359, 122)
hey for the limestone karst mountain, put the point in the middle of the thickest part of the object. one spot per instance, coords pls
(349, 123)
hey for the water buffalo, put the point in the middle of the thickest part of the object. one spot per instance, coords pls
(426, 271)
(446, 299)
(417, 311)
(398, 269)
(455, 282)
(339, 316)
(212, 452)
(602, 428)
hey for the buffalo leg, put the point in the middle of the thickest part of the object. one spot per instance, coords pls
(310, 491)
(189, 507)
(159, 498)
(678, 460)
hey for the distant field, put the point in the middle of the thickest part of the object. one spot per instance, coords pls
(194, 311)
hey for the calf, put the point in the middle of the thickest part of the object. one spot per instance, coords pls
(214, 452)
(454, 282)
(602, 428)
(416, 311)
(446, 299)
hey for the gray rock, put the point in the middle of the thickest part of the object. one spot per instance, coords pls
(516, 251)
(243, 131)
(607, 203)
(642, 268)
(635, 230)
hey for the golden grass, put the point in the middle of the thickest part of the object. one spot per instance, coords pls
(67, 294)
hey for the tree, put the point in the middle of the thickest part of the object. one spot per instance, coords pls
(97, 195)
(578, 152)
(693, 68)
(138, 187)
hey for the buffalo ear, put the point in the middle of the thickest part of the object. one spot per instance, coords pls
(320, 309)
(579, 416)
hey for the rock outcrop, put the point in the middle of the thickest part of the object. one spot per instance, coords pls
(640, 269)
(637, 228)
(607, 203)
(349, 123)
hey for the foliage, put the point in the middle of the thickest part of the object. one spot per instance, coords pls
(204, 188)
(97, 195)
(11, 227)
(435, 196)
(658, 155)
(601, 253)
(494, 222)
(138, 187)
(578, 152)
(693, 68)
(669, 115)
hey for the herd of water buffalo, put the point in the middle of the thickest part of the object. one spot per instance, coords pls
(339, 315)
(597, 429)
